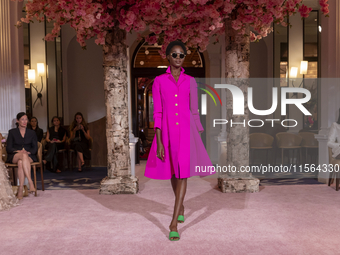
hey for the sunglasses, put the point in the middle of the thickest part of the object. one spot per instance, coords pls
(175, 55)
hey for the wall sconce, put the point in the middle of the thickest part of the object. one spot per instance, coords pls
(294, 71)
(31, 75)
(304, 67)
(41, 69)
(41, 72)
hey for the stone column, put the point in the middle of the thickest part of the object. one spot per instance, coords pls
(222, 136)
(237, 73)
(119, 179)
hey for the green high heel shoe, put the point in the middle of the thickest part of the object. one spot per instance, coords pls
(173, 234)
(180, 219)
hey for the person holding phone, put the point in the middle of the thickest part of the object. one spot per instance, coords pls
(80, 139)
(55, 138)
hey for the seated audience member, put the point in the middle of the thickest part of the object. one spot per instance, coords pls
(22, 147)
(55, 138)
(34, 126)
(334, 139)
(80, 139)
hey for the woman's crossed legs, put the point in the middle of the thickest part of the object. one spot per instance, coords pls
(24, 169)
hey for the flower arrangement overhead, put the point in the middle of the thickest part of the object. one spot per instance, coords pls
(191, 21)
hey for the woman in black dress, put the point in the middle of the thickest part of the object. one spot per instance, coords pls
(34, 125)
(22, 147)
(80, 138)
(55, 138)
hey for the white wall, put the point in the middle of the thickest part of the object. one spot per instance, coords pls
(12, 85)
(83, 78)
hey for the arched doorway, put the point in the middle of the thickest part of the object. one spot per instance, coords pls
(146, 64)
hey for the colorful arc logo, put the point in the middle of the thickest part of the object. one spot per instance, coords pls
(211, 88)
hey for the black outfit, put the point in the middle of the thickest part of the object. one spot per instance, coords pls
(16, 142)
(52, 148)
(57, 135)
(81, 144)
(143, 138)
(40, 133)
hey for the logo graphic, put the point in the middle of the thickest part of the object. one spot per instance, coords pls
(211, 88)
(238, 99)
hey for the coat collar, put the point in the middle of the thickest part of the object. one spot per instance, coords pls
(169, 70)
(181, 76)
(18, 131)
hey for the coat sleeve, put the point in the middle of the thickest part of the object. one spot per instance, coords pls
(157, 105)
(194, 104)
(10, 142)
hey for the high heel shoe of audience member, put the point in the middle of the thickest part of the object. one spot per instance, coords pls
(20, 193)
(32, 189)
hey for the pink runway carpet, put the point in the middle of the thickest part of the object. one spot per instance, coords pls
(294, 219)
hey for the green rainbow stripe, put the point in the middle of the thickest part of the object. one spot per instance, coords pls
(209, 94)
(213, 91)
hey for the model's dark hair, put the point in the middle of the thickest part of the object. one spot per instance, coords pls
(36, 120)
(338, 118)
(175, 43)
(74, 123)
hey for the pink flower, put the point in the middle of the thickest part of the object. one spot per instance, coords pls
(100, 41)
(304, 11)
(325, 10)
(323, 3)
(192, 21)
(236, 24)
(252, 37)
(130, 18)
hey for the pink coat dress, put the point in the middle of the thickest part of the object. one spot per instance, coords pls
(176, 115)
